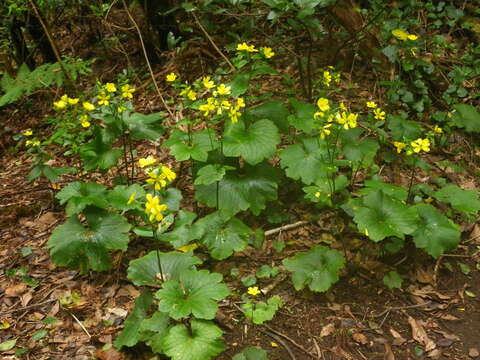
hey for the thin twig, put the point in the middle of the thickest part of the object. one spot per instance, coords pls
(298, 346)
(146, 59)
(276, 338)
(285, 227)
(393, 308)
(81, 325)
(27, 307)
(232, 68)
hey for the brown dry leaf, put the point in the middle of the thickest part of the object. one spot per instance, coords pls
(473, 352)
(388, 353)
(15, 290)
(424, 276)
(475, 234)
(420, 335)
(360, 338)
(435, 354)
(25, 298)
(46, 220)
(398, 339)
(110, 354)
(327, 330)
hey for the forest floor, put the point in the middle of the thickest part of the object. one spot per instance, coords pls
(49, 312)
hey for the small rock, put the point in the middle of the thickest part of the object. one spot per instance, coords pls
(473, 352)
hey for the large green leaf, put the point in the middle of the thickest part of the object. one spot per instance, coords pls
(274, 110)
(51, 173)
(381, 215)
(307, 161)
(303, 117)
(130, 334)
(144, 127)
(195, 292)
(394, 191)
(79, 195)
(260, 311)
(197, 148)
(249, 188)
(98, 153)
(182, 232)
(318, 268)
(200, 342)
(403, 129)
(251, 353)
(119, 196)
(154, 330)
(436, 233)
(146, 270)
(461, 200)
(466, 116)
(85, 246)
(358, 149)
(254, 143)
(210, 174)
(222, 235)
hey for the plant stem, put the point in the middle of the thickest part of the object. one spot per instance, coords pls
(412, 175)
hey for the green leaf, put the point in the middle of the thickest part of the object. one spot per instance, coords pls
(318, 268)
(154, 330)
(195, 292)
(403, 129)
(436, 233)
(358, 149)
(465, 268)
(211, 173)
(51, 173)
(248, 188)
(201, 143)
(182, 232)
(130, 334)
(146, 271)
(144, 127)
(267, 271)
(119, 196)
(222, 235)
(254, 143)
(260, 311)
(8, 345)
(381, 215)
(172, 197)
(392, 280)
(39, 335)
(79, 195)
(240, 84)
(303, 118)
(85, 247)
(461, 200)
(202, 342)
(306, 161)
(98, 153)
(251, 353)
(396, 192)
(466, 116)
(274, 110)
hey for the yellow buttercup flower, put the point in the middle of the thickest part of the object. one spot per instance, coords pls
(208, 107)
(131, 199)
(187, 248)
(317, 194)
(73, 101)
(110, 87)
(222, 89)
(27, 133)
(127, 91)
(32, 143)
(60, 104)
(88, 106)
(399, 146)
(192, 95)
(400, 34)
(348, 120)
(268, 52)
(325, 131)
(323, 104)
(371, 104)
(154, 208)
(412, 37)
(245, 47)
(327, 78)
(168, 173)
(121, 109)
(209, 84)
(437, 129)
(253, 290)
(171, 77)
(103, 99)
(85, 123)
(420, 145)
(148, 161)
(156, 180)
(379, 114)
(240, 103)
(342, 106)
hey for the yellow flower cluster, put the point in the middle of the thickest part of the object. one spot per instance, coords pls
(329, 76)
(153, 208)
(253, 290)
(31, 143)
(378, 113)
(415, 146)
(217, 104)
(346, 119)
(64, 102)
(245, 47)
(27, 133)
(159, 177)
(403, 35)
(148, 161)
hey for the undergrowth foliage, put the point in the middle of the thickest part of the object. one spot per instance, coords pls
(241, 154)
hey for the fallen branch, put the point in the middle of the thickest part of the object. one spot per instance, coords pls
(27, 307)
(285, 227)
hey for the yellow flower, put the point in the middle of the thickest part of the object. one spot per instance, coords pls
(60, 104)
(187, 248)
(121, 109)
(88, 106)
(73, 101)
(32, 143)
(131, 199)
(253, 290)
(209, 84)
(318, 115)
(273, 344)
(209, 106)
(400, 34)
(27, 133)
(379, 114)
(169, 174)
(148, 161)
(222, 89)
(240, 103)
(154, 208)
(85, 123)
(365, 231)
(323, 105)
(438, 129)
(348, 120)
(371, 104)
(103, 99)
(192, 95)
(342, 106)
(327, 78)
(399, 145)
(244, 46)
(110, 87)
(268, 52)
(156, 180)
(171, 77)
(325, 131)
(420, 145)
(317, 194)
(127, 91)
(412, 37)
